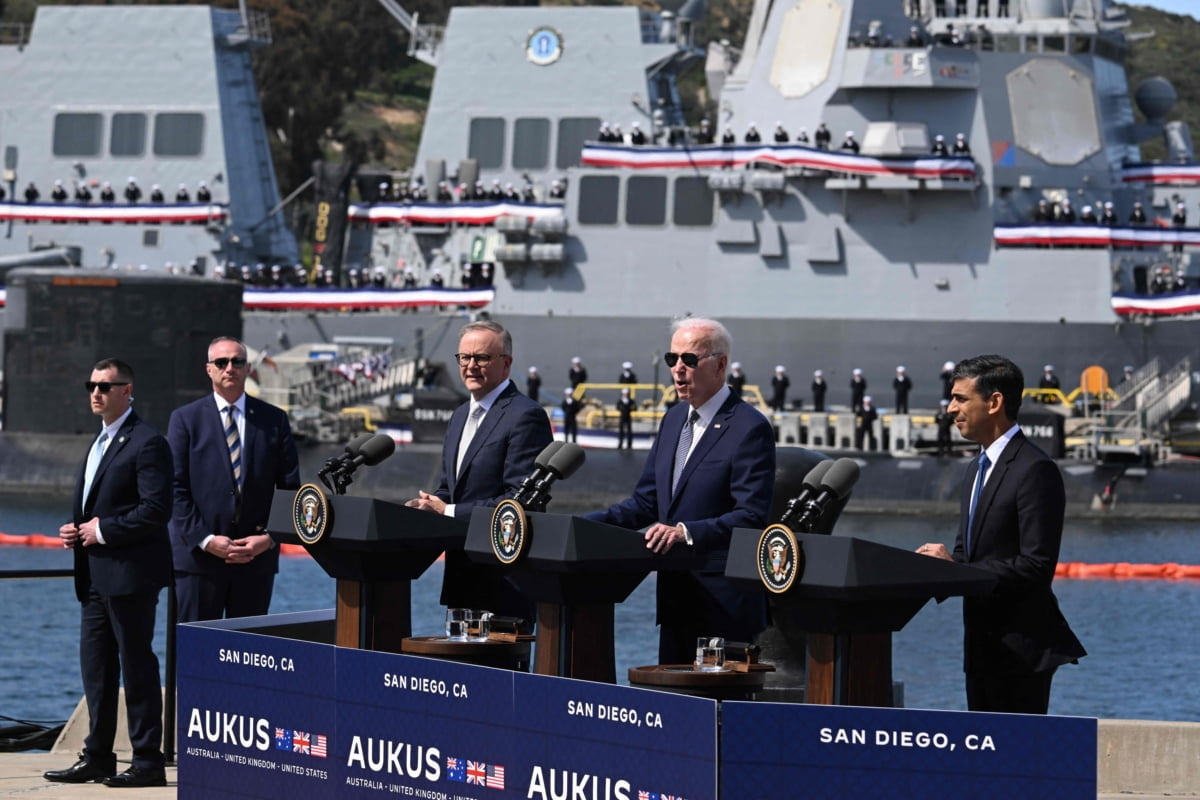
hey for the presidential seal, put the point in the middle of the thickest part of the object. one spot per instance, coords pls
(510, 531)
(779, 558)
(544, 46)
(312, 517)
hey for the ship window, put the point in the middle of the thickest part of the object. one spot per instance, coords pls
(128, 135)
(572, 133)
(486, 143)
(178, 134)
(598, 195)
(1008, 44)
(646, 201)
(693, 202)
(1054, 44)
(531, 143)
(77, 134)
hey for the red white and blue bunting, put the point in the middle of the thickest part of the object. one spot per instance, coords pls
(361, 299)
(469, 213)
(784, 155)
(1073, 235)
(176, 213)
(1159, 305)
(1161, 173)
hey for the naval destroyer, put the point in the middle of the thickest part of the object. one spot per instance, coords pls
(815, 258)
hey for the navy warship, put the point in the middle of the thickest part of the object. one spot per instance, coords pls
(880, 253)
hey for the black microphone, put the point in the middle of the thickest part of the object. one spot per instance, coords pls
(335, 463)
(811, 487)
(372, 451)
(558, 460)
(835, 486)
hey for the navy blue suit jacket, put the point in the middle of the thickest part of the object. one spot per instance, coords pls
(499, 457)
(131, 494)
(1018, 525)
(205, 502)
(728, 482)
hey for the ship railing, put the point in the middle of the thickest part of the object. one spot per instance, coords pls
(14, 33)
(656, 396)
(1129, 388)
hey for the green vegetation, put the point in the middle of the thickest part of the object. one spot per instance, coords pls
(337, 82)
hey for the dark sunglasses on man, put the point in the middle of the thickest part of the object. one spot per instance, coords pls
(222, 363)
(690, 360)
(104, 386)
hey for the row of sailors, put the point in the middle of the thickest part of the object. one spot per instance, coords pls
(822, 138)
(1164, 283)
(283, 276)
(1065, 212)
(133, 193)
(445, 193)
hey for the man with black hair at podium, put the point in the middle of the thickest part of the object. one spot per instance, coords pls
(711, 469)
(490, 446)
(1012, 519)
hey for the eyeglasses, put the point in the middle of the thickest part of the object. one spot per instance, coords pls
(690, 360)
(222, 363)
(482, 359)
(104, 386)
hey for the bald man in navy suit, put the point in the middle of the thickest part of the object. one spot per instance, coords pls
(121, 506)
(693, 495)
(225, 561)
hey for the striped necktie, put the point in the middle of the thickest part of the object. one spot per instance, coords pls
(684, 447)
(234, 443)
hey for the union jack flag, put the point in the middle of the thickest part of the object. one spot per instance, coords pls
(283, 739)
(495, 777)
(301, 743)
(456, 770)
(320, 746)
(477, 772)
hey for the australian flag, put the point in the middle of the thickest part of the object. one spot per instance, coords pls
(456, 769)
(283, 739)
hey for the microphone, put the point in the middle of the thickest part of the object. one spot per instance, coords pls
(335, 463)
(811, 487)
(368, 449)
(557, 461)
(839, 479)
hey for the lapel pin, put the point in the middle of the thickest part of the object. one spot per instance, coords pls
(121, 440)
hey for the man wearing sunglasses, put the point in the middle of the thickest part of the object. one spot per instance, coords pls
(232, 452)
(711, 469)
(122, 560)
(490, 446)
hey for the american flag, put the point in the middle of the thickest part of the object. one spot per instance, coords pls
(300, 743)
(476, 772)
(456, 770)
(495, 777)
(320, 746)
(283, 739)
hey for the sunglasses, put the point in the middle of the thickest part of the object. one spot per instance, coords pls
(222, 363)
(104, 386)
(690, 360)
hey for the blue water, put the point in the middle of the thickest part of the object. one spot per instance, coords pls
(1143, 658)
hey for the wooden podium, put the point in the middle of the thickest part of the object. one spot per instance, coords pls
(374, 549)
(850, 595)
(575, 570)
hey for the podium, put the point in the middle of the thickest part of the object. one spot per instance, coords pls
(374, 549)
(850, 595)
(576, 570)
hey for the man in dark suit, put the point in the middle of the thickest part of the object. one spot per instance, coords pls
(711, 469)
(1012, 518)
(490, 446)
(232, 452)
(122, 559)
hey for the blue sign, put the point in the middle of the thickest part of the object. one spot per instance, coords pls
(256, 716)
(770, 749)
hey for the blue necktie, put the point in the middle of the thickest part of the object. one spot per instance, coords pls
(685, 445)
(980, 477)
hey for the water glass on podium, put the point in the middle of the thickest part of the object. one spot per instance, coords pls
(478, 626)
(710, 654)
(457, 624)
